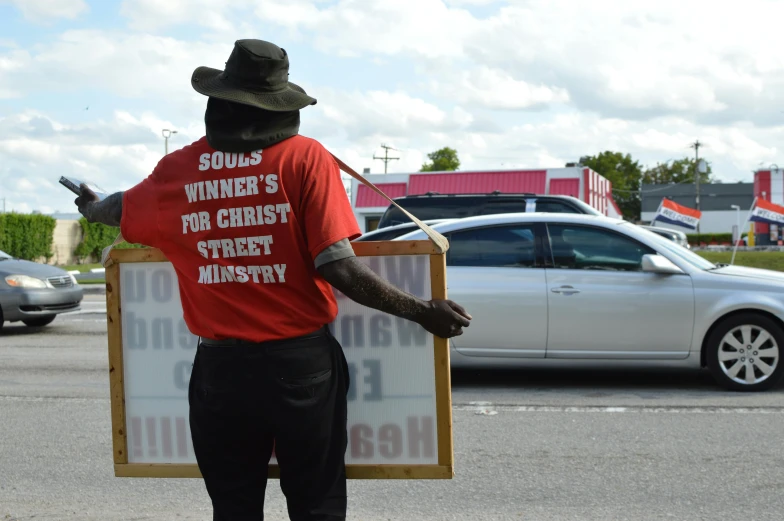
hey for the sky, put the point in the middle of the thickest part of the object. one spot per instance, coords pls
(86, 87)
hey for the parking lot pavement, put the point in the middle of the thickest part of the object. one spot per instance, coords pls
(529, 445)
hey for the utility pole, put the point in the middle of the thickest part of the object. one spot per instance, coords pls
(696, 146)
(386, 159)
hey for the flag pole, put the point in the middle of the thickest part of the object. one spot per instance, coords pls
(740, 232)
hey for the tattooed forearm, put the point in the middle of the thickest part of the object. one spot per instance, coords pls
(108, 211)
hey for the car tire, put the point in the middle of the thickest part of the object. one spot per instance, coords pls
(39, 322)
(735, 366)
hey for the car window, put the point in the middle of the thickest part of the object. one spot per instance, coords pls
(497, 246)
(427, 209)
(588, 248)
(503, 206)
(552, 207)
(682, 252)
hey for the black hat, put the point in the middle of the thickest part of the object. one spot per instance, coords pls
(256, 74)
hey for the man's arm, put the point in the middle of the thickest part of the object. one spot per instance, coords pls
(108, 211)
(358, 282)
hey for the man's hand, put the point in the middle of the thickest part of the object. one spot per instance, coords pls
(358, 282)
(108, 211)
(86, 201)
(444, 318)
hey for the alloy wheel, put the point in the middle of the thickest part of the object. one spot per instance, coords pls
(748, 354)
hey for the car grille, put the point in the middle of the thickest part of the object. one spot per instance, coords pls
(61, 282)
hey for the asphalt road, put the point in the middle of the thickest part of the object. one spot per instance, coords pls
(529, 445)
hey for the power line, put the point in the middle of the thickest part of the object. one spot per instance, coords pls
(386, 159)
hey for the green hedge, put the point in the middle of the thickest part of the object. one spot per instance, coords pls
(27, 236)
(707, 238)
(96, 237)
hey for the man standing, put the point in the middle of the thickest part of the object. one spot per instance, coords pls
(256, 223)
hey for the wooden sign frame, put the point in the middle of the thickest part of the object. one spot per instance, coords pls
(444, 469)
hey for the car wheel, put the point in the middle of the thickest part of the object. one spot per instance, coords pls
(39, 322)
(744, 353)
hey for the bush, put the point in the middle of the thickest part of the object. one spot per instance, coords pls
(707, 238)
(27, 236)
(96, 237)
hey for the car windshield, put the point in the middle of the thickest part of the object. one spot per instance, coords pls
(678, 250)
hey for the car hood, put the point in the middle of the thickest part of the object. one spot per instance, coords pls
(753, 273)
(33, 269)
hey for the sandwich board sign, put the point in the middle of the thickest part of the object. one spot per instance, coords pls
(399, 401)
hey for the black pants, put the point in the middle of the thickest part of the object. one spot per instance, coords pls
(291, 393)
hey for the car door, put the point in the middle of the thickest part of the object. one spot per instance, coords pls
(495, 274)
(602, 305)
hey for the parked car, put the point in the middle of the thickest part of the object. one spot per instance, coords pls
(595, 290)
(674, 235)
(447, 206)
(35, 293)
(390, 232)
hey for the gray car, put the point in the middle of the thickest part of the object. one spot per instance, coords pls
(571, 289)
(675, 236)
(35, 293)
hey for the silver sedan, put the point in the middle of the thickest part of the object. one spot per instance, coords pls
(556, 288)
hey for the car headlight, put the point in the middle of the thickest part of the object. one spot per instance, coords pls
(24, 281)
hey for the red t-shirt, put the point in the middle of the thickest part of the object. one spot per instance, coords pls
(242, 231)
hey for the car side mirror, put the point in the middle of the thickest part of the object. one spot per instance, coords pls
(653, 263)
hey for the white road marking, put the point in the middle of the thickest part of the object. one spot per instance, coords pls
(486, 408)
(50, 399)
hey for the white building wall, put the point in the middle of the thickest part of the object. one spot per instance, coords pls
(362, 213)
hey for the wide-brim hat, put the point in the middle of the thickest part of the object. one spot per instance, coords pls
(256, 74)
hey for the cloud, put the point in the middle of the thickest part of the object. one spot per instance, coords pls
(495, 89)
(621, 59)
(126, 64)
(115, 154)
(529, 83)
(48, 10)
(153, 15)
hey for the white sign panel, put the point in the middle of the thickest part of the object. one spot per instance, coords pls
(391, 399)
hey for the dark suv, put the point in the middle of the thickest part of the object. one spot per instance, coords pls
(445, 206)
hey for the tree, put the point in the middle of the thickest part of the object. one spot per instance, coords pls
(625, 175)
(680, 171)
(444, 159)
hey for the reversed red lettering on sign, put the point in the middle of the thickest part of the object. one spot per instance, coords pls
(182, 438)
(151, 437)
(421, 435)
(361, 441)
(166, 438)
(391, 439)
(147, 445)
(136, 433)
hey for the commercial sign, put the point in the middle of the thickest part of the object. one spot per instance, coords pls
(399, 415)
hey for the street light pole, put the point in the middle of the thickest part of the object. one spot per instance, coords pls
(166, 133)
